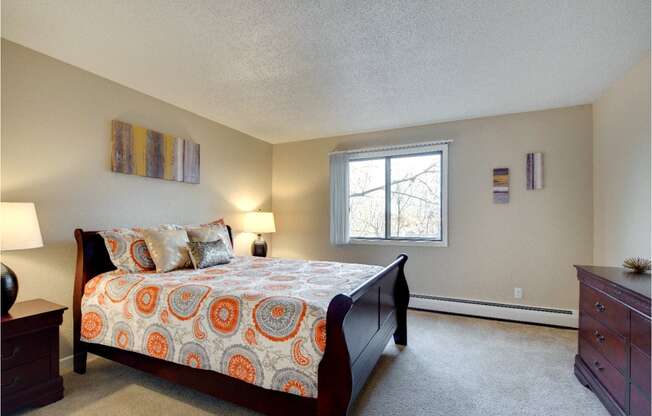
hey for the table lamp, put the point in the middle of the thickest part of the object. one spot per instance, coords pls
(19, 230)
(260, 223)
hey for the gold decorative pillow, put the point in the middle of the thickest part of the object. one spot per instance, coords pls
(211, 232)
(203, 234)
(168, 248)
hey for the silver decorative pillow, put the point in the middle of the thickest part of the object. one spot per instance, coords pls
(168, 249)
(207, 254)
(211, 232)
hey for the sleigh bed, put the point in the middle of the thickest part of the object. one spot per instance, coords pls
(358, 326)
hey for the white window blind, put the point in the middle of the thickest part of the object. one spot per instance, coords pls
(339, 198)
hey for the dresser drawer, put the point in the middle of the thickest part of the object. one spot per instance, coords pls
(605, 309)
(604, 341)
(640, 332)
(22, 349)
(26, 375)
(639, 405)
(605, 372)
(640, 370)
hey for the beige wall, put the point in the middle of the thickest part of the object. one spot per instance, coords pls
(621, 167)
(55, 152)
(531, 243)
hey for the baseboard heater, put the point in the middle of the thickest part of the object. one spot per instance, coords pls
(486, 309)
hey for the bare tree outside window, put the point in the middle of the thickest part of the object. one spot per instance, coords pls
(414, 201)
(416, 196)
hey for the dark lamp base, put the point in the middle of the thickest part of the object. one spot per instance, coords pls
(8, 288)
(259, 247)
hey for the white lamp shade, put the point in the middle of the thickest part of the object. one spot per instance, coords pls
(259, 222)
(19, 227)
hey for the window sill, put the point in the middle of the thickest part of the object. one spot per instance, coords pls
(406, 243)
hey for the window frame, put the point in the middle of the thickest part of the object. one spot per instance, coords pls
(387, 155)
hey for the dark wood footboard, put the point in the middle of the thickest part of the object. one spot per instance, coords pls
(358, 327)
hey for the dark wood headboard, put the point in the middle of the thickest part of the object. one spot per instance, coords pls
(92, 255)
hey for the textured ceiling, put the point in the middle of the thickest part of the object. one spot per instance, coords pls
(293, 70)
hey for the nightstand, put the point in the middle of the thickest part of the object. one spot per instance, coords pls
(30, 355)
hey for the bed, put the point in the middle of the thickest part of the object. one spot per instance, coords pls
(357, 325)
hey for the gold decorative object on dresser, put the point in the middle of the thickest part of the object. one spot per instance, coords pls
(613, 356)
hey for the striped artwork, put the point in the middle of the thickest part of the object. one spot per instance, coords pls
(190, 162)
(501, 185)
(139, 151)
(534, 169)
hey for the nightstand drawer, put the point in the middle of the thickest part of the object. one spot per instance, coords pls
(604, 371)
(22, 349)
(604, 341)
(605, 309)
(26, 375)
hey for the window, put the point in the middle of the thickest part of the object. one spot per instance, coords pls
(393, 196)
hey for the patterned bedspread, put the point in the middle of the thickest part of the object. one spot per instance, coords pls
(261, 320)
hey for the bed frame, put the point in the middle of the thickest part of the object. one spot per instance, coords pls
(358, 327)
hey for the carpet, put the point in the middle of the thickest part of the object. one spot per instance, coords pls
(453, 366)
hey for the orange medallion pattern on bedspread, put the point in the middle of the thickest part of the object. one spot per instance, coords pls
(260, 320)
(147, 300)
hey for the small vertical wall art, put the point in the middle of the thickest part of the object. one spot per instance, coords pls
(534, 171)
(501, 185)
(140, 151)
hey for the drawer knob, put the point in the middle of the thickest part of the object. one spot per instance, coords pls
(598, 366)
(599, 307)
(598, 336)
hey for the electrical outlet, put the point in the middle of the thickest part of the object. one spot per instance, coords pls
(518, 293)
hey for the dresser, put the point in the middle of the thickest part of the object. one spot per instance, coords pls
(30, 355)
(613, 358)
